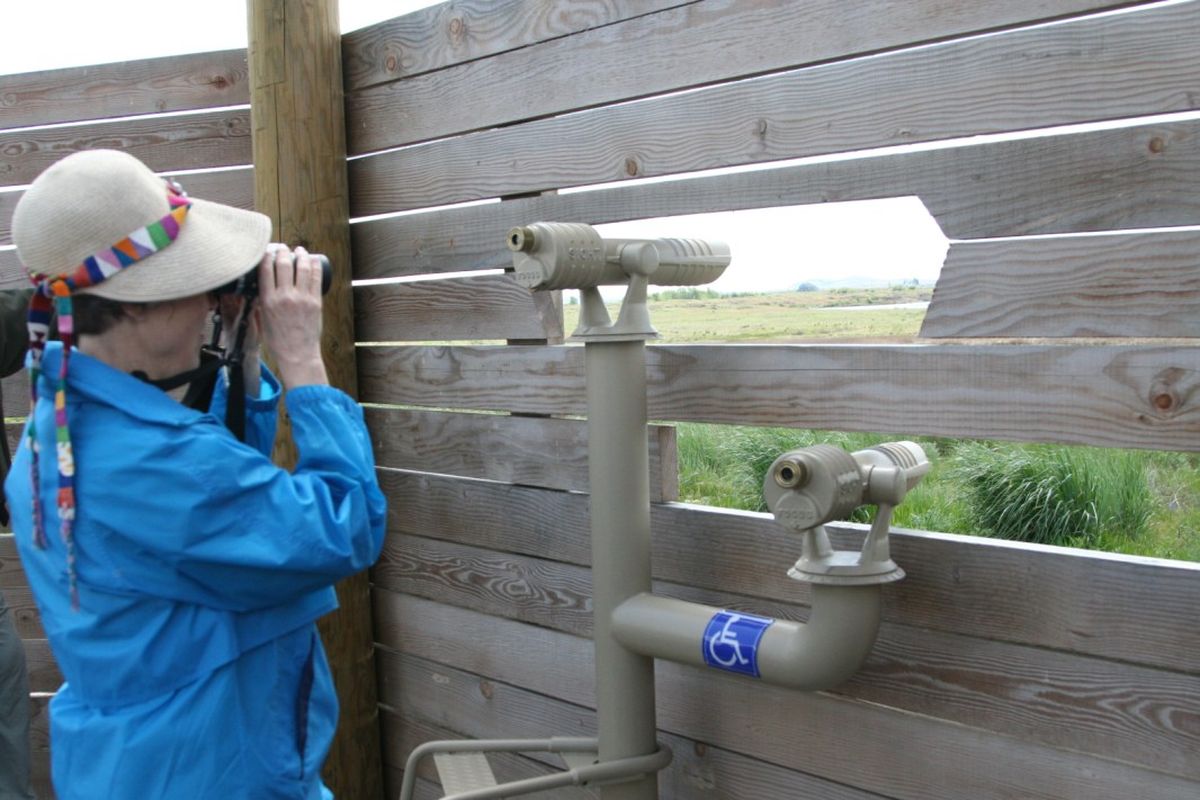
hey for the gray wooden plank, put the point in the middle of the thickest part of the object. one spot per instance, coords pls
(455, 32)
(127, 88)
(1138, 177)
(614, 63)
(1122, 608)
(15, 391)
(17, 595)
(1108, 395)
(42, 669)
(1128, 285)
(39, 736)
(854, 744)
(178, 142)
(1131, 714)
(1121, 66)
(485, 307)
(531, 451)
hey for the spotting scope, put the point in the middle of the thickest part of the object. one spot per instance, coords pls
(809, 486)
(567, 255)
(570, 255)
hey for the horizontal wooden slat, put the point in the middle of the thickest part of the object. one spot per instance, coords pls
(1132, 714)
(614, 63)
(852, 743)
(183, 141)
(486, 307)
(1138, 177)
(1091, 70)
(1128, 285)
(455, 32)
(1112, 396)
(126, 88)
(17, 595)
(1123, 608)
(530, 451)
(233, 187)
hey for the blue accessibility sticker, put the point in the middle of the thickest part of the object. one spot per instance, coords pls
(731, 641)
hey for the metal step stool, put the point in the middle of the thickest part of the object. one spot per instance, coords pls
(466, 775)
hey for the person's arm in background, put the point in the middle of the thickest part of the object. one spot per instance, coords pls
(14, 341)
(14, 333)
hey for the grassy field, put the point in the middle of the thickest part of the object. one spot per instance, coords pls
(784, 317)
(1143, 503)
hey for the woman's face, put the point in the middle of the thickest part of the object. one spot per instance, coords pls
(172, 332)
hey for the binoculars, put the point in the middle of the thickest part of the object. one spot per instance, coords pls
(247, 284)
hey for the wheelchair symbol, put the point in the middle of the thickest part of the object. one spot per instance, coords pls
(724, 649)
(731, 641)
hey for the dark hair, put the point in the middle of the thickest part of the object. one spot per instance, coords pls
(95, 315)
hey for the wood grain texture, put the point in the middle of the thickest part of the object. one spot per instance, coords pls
(17, 595)
(233, 187)
(485, 307)
(1095, 69)
(42, 669)
(39, 735)
(529, 451)
(694, 45)
(1130, 285)
(299, 154)
(126, 88)
(15, 391)
(1141, 716)
(455, 32)
(185, 141)
(852, 743)
(1121, 608)
(1107, 395)
(1137, 177)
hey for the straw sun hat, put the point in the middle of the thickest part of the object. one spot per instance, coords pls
(90, 201)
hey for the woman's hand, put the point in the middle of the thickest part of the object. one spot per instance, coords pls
(289, 299)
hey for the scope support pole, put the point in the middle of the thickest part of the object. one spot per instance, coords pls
(619, 474)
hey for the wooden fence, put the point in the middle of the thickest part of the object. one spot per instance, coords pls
(1002, 670)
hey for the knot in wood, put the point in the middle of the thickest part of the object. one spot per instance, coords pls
(457, 28)
(631, 167)
(220, 81)
(487, 689)
(1157, 145)
(1165, 401)
(391, 63)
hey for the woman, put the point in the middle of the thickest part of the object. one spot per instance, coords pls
(177, 570)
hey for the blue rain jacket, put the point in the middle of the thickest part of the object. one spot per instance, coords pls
(193, 667)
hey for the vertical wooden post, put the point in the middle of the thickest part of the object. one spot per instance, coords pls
(299, 144)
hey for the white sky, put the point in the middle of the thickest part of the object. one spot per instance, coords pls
(772, 248)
